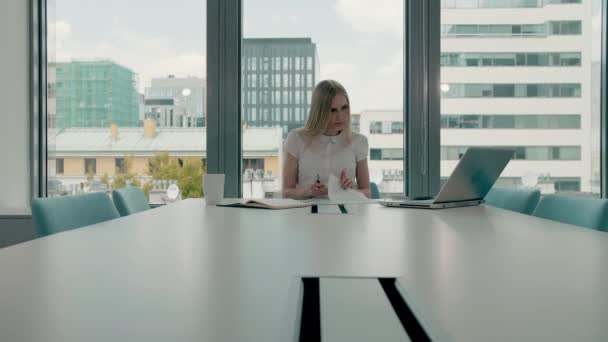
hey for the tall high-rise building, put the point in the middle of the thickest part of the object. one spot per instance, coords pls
(279, 75)
(176, 101)
(51, 96)
(95, 94)
(519, 74)
(514, 73)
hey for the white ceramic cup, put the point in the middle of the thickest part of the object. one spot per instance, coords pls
(213, 187)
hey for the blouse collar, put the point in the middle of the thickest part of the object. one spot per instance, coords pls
(326, 139)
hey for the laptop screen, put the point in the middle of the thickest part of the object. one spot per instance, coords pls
(475, 174)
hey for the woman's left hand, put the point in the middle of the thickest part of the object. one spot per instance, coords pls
(345, 181)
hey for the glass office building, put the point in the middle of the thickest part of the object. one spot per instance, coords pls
(519, 74)
(176, 101)
(95, 94)
(279, 75)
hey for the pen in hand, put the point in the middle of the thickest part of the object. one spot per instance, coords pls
(317, 188)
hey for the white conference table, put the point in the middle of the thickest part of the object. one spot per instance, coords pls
(187, 272)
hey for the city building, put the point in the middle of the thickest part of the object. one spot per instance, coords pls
(354, 122)
(51, 103)
(141, 116)
(519, 74)
(384, 130)
(279, 75)
(166, 112)
(102, 151)
(176, 101)
(95, 94)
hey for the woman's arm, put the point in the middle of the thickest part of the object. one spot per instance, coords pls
(290, 179)
(290, 176)
(363, 178)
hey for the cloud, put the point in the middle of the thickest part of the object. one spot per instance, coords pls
(285, 20)
(372, 16)
(184, 64)
(394, 67)
(389, 79)
(369, 88)
(148, 57)
(58, 32)
(336, 70)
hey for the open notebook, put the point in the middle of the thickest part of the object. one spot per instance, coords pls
(264, 203)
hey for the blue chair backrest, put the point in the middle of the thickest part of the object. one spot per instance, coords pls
(521, 201)
(374, 191)
(57, 214)
(130, 200)
(580, 211)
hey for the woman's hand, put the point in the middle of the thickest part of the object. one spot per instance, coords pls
(315, 189)
(345, 181)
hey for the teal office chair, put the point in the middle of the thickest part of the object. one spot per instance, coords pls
(130, 200)
(374, 191)
(521, 201)
(580, 211)
(57, 214)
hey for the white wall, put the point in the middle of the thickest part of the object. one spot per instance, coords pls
(14, 129)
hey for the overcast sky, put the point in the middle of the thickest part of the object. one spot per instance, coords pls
(359, 42)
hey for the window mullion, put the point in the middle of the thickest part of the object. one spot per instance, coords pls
(223, 92)
(422, 98)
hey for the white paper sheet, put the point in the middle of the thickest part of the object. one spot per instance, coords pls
(339, 195)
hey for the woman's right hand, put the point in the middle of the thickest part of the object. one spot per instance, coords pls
(315, 189)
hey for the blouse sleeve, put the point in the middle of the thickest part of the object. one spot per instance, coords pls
(292, 145)
(361, 147)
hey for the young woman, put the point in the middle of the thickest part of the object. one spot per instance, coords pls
(325, 146)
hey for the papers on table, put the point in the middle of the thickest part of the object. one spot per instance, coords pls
(264, 203)
(343, 196)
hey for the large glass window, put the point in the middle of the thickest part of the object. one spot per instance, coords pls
(503, 3)
(511, 121)
(542, 100)
(386, 127)
(128, 102)
(386, 154)
(90, 166)
(523, 152)
(456, 90)
(552, 59)
(356, 43)
(59, 166)
(512, 30)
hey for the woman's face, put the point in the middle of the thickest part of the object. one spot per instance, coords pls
(338, 116)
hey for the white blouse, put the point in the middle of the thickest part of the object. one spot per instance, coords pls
(324, 155)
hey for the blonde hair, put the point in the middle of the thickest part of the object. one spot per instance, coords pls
(320, 109)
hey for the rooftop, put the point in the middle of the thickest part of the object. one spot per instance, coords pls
(180, 141)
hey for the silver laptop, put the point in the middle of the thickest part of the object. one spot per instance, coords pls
(468, 184)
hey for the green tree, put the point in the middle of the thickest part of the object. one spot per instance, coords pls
(105, 179)
(164, 167)
(90, 175)
(191, 178)
(189, 174)
(126, 174)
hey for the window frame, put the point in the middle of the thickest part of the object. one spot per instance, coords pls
(57, 168)
(119, 165)
(603, 107)
(421, 100)
(423, 32)
(90, 160)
